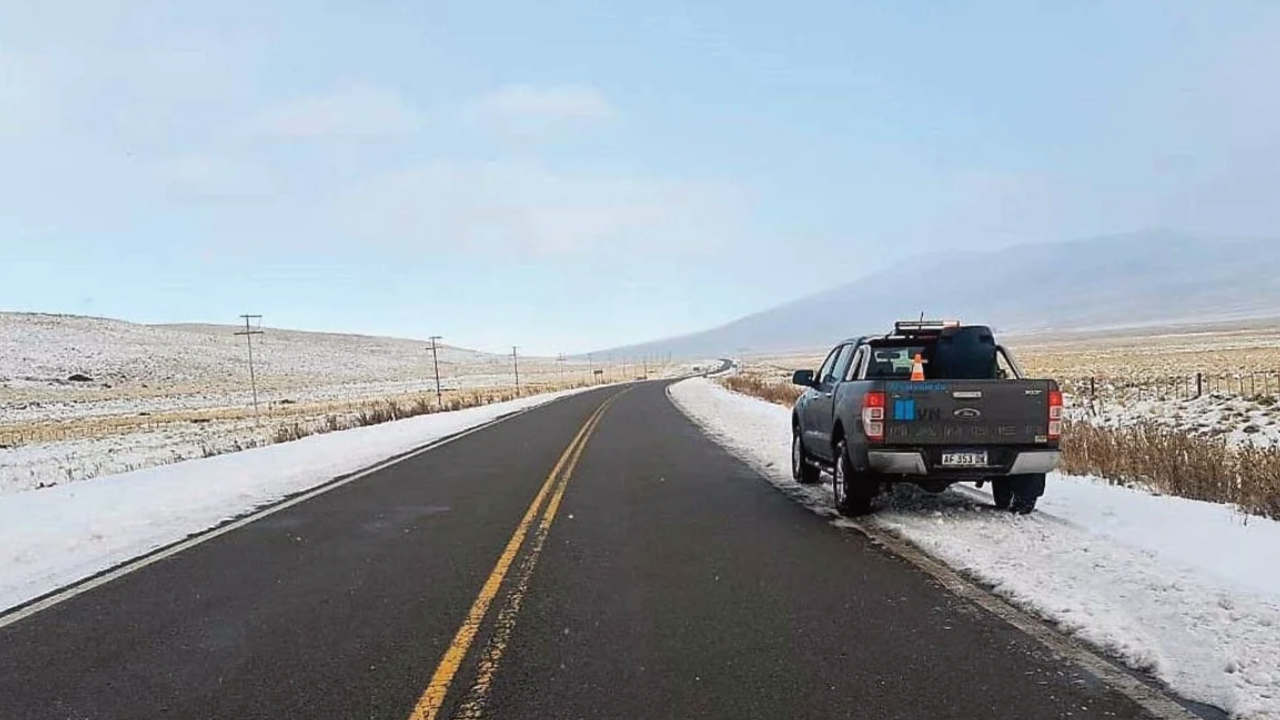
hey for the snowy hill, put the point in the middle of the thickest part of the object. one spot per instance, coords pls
(39, 350)
(1146, 278)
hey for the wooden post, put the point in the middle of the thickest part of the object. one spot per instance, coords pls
(1199, 385)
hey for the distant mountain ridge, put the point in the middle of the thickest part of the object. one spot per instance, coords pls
(1118, 280)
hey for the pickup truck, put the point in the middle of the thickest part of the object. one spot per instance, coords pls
(931, 403)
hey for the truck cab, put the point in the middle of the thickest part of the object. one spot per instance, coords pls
(931, 403)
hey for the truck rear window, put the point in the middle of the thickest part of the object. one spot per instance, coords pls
(944, 360)
(894, 363)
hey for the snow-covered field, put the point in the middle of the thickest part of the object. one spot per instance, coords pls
(153, 395)
(1241, 421)
(1185, 590)
(50, 538)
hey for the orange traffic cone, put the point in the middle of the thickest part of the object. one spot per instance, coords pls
(917, 368)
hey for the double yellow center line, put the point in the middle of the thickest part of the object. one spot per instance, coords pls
(473, 704)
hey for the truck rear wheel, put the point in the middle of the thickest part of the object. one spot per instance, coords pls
(853, 490)
(1027, 489)
(1002, 492)
(803, 471)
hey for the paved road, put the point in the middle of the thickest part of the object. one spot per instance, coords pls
(566, 563)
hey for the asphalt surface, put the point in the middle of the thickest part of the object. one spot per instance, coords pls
(665, 580)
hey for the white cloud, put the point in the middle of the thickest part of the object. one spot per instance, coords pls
(526, 209)
(352, 112)
(529, 109)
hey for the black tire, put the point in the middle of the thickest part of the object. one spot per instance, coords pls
(802, 470)
(853, 490)
(1002, 491)
(1027, 489)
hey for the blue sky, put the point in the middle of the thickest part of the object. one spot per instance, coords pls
(567, 176)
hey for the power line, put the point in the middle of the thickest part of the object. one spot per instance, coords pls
(248, 334)
(436, 362)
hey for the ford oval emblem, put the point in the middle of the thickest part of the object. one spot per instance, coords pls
(968, 413)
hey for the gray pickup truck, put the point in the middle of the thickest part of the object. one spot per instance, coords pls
(931, 403)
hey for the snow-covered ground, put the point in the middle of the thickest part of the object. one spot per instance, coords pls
(1239, 420)
(157, 395)
(52, 537)
(1186, 590)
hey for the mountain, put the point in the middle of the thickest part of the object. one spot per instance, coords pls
(1135, 279)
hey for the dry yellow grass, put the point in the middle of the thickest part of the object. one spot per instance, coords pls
(273, 415)
(773, 391)
(1177, 463)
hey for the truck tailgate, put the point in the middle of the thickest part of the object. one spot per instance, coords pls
(962, 412)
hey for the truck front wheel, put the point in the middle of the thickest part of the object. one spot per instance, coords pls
(1027, 489)
(803, 471)
(853, 490)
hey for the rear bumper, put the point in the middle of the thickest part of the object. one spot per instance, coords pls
(897, 462)
(1036, 462)
(914, 462)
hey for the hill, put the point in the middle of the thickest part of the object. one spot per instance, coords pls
(45, 349)
(1116, 281)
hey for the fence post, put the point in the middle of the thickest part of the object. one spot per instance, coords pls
(1199, 385)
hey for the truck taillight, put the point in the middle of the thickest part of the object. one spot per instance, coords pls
(1055, 414)
(873, 405)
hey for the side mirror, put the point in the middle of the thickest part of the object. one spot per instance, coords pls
(803, 377)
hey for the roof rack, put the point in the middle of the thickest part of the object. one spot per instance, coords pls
(920, 327)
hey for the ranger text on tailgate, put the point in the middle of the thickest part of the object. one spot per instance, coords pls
(932, 403)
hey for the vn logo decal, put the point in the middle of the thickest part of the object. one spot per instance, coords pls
(907, 411)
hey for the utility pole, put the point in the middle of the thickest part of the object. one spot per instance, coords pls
(436, 362)
(591, 370)
(515, 363)
(248, 334)
(560, 362)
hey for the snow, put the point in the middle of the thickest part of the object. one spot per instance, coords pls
(52, 537)
(1185, 590)
(1240, 420)
(164, 394)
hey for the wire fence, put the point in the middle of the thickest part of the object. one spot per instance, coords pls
(1250, 385)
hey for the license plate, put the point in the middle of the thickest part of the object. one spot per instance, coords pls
(964, 459)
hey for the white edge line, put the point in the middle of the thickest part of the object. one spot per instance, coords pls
(80, 587)
(1150, 699)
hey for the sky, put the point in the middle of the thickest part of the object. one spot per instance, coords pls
(572, 175)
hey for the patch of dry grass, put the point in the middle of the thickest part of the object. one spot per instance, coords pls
(279, 415)
(377, 413)
(1177, 463)
(755, 386)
